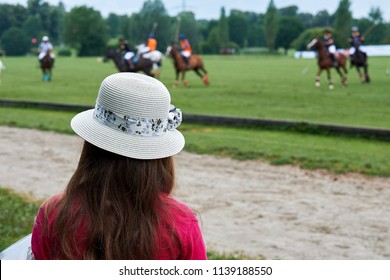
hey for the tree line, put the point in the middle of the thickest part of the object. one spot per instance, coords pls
(86, 30)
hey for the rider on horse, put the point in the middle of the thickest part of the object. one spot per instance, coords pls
(329, 45)
(151, 45)
(185, 49)
(356, 41)
(127, 53)
(44, 47)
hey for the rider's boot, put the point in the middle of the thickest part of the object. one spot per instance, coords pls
(186, 62)
(130, 63)
(334, 62)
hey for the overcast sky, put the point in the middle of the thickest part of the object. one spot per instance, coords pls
(210, 9)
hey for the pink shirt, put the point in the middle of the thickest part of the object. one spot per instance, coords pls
(187, 231)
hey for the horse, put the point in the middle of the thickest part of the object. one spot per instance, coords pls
(155, 56)
(2, 66)
(195, 63)
(143, 64)
(46, 66)
(359, 59)
(325, 63)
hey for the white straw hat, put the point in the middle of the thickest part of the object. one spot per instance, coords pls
(133, 117)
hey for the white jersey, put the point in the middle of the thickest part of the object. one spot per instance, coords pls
(44, 47)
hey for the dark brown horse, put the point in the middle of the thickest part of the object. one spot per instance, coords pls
(359, 59)
(47, 66)
(325, 63)
(195, 63)
(143, 64)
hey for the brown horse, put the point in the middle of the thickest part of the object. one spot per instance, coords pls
(325, 63)
(46, 66)
(195, 63)
(143, 64)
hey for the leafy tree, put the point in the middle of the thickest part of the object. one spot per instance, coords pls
(289, 11)
(114, 23)
(238, 28)
(34, 7)
(322, 18)
(271, 26)
(290, 28)
(33, 27)
(139, 25)
(50, 18)
(213, 40)
(343, 23)
(306, 36)
(386, 38)
(15, 41)
(375, 15)
(55, 30)
(306, 19)
(85, 30)
(255, 36)
(223, 29)
(44, 13)
(6, 17)
(11, 16)
(189, 27)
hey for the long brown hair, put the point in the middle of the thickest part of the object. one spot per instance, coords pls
(117, 201)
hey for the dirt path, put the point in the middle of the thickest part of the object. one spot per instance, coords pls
(247, 206)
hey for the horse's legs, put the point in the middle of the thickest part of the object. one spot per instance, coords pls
(184, 81)
(205, 77)
(330, 83)
(44, 75)
(318, 78)
(198, 73)
(361, 76)
(366, 73)
(176, 83)
(343, 77)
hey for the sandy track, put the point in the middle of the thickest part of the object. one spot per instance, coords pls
(279, 212)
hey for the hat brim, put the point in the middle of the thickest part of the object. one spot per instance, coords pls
(134, 146)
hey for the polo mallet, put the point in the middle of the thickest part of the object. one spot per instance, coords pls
(375, 24)
(154, 28)
(178, 22)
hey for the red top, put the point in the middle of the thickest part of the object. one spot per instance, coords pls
(187, 231)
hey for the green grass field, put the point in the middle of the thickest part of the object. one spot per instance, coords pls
(247, 86)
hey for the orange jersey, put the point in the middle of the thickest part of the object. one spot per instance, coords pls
(185, 45)
(152, 44)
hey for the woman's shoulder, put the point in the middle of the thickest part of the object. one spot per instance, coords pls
(49, 207)
(180, 209)
(53, 200)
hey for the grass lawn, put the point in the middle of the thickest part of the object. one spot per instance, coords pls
(16, 216)
(339, 154)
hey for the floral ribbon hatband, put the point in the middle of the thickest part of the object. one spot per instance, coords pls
(136, 125)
